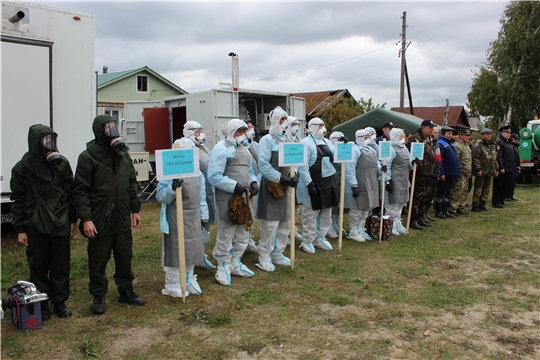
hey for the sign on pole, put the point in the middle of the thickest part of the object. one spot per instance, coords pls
(343, 153)
(384, 150)
(177, 163)
(417, 150)
(292, 154)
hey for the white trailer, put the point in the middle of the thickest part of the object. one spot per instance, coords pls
(213, 109)
(47, 78)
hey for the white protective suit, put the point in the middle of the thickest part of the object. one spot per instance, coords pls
(253, 147)
(292, 134)
(274, 216)
(365, 169)
(398, 173)
(317, 207)
(230, 163)
(194, 210)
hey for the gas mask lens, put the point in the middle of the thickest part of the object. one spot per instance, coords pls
(50, 149)
(110, 129)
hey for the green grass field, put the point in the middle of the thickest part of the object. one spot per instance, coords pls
(466, 288)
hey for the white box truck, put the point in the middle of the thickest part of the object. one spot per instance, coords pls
(47, 77)
(159, 126)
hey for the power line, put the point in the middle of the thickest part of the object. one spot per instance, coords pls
(301, 71)
(433, 87)
(436, 57)
(351, 83)
(441, 69)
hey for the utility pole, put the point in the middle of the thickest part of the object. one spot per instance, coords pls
(402, 54)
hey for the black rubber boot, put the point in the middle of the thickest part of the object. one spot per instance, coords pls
(414, 225)
(98, 306)
(426, 214)
(483, 208)
(128, 296)
(476, 209)
(45, 313)
(62, 310)
(438, 211)
(444, 209)
(423, 222)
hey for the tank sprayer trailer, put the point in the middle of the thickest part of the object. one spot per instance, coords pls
(529, 150)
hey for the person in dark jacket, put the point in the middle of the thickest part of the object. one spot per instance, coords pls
(105, 194)
(436, 172)
(517, 167)
(386, 127)
(505, 159)
(45, 176)
(449, 172)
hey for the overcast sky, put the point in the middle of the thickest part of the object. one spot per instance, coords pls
(301, 46)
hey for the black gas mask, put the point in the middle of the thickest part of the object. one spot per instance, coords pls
(49, 149)
(110, 130)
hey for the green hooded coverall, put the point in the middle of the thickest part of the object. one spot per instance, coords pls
(108, 206)
(48, 255)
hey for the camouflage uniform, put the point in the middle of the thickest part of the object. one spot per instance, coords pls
(458, 196)
(484, 159)
(424, 170)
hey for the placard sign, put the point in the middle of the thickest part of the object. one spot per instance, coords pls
(178, 163)
(384, 150)
(292, 154)
(343, 152)
(417, 150)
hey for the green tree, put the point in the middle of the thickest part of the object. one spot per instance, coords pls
(509, 86)
(342, 109)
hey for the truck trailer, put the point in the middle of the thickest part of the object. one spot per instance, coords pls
(48, 77)
(529, 150)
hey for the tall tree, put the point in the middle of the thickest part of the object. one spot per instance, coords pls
(509, 86)
(340, 110)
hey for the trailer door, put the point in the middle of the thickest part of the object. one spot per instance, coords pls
(156, 129)
(26, 100)
(297, 106)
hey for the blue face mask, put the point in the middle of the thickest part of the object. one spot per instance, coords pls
(327, 169)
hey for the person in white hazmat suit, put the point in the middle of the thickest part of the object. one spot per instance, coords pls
(195, 212)
(373, 139)
(274, 216)
(397, 180)
(317, 190)
(230, 172)
(365, 185)
(334, 229)
(292, 135)
(193, 131)
(252, 147)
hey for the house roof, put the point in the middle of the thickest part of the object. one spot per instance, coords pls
(111, 78)
(456, 115)
(319, 100)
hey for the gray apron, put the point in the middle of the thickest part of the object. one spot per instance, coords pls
(400, 176)
(204, 157)
(368, 184)
(254, 150)
(274, 209)
(194, 247)
(237, 169)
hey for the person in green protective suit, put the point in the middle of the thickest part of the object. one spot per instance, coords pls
(44, 215)
(105, 193)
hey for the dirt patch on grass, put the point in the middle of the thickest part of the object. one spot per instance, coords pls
(131, 339)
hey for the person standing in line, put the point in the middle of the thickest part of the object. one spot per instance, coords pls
(424, 170)
(436, 173)
(43, 175)
(362, 178)
(484, 167)
(387, 126)
(373, 139)
(317, 192)
(334, 229)
(195, 216)
(105, 192)
(230, 172)
(517, 167)
(458, 196)
(505, 158)
(253, 148)
(397, 183)
(449, 172)
(193, 131)
(292, 135)
(274, 216)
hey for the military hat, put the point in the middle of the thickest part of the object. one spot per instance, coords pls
(388, 124)
(506, 128)
(464, 132)
(446, 128)
(485, 131)
(514, 136)
(428, 122)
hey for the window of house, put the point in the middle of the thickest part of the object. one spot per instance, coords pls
(142, 83)
(115, 114)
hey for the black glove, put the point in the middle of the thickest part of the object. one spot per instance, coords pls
(289, 181)
(253, 189)
(344, 139)
(384, 168)
(416, 161)
(355, 192)
(389, 187)
(203, 223)
(239, 189)
(176, 183)
(312, 189)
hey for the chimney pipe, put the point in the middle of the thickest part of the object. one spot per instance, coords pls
(105, 69)
(235, 71)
